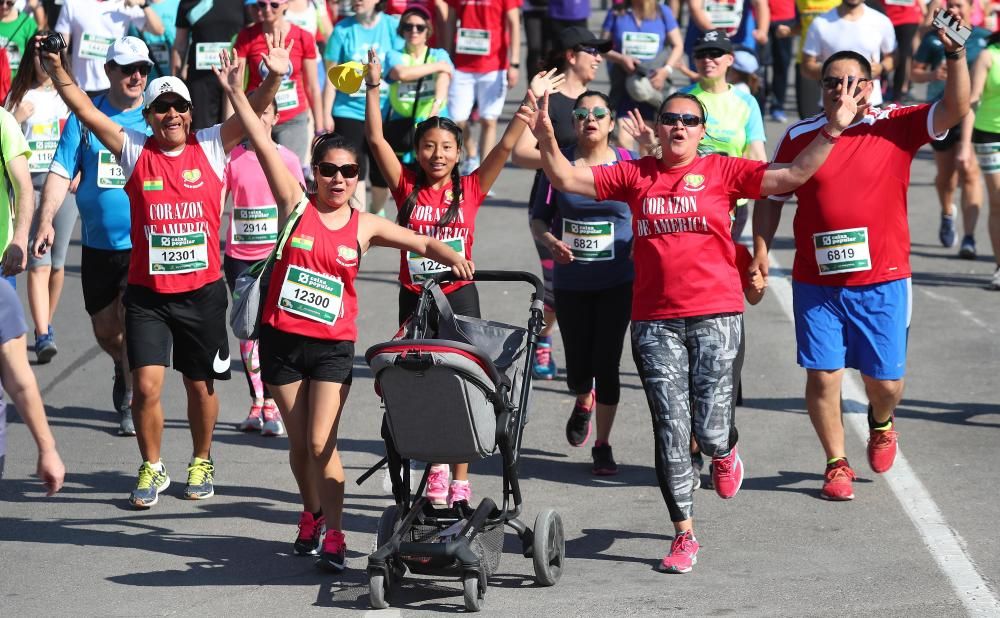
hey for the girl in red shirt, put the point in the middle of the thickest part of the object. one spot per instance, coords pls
(687, 306)
(308, 327)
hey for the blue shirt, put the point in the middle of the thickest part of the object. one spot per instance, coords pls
(104, 212)
(580, 275)
(351, 41)
(160, 44)
(743, 37)
(12, 326)
(623, 29)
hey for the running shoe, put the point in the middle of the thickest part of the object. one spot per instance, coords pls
(45, 346)
(697, 465)
(967, 251)
(683, 554)
(459, 491)
(837, 484)
(126, 427)
(995, 281)
(578, 426)
(946, 230)
(881, 445)
(310, 532)
(778, 115)
(272, 420)
(543, 367)
(468, 166)
(334, 555)
(253, 421)
(199, 483)
(727, 474)
(604, 460)
(437, 485)
(147, 489)
(118, 388)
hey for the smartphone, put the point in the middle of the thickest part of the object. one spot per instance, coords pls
(952, 27)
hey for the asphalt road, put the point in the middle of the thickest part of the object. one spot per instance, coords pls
(919, 541)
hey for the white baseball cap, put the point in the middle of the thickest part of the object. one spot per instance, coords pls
(164, 85)
(128, 50)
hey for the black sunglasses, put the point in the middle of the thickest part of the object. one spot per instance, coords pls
(688, 120)
(8, 3)
(709, 53)
(582, 113)
(413, 27)
(162, 107)
(264, 5)
(593, 51)
(130, 69)
(831, 83)
(329, 170)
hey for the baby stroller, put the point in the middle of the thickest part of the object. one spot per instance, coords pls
(473, 377)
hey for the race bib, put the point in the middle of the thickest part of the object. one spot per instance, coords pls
(287, 97)
(13, 55)
(206, 55)
(590, 241)
(257, 225)
(159, 53)
(93, 47)
(311, 295)
(109, 174)
(43, 139)
(988, 156)
(473, 42)
(173, 254)
(407, 91)
(421, 267)
(899, 2)
(641, 45)
(725, 15)
(842, 251)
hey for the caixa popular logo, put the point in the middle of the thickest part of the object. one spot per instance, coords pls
(192, 178)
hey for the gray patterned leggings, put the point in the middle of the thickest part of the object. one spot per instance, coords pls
(690, 369)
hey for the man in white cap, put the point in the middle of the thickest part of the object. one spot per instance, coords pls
(104, 209)
(175, 293)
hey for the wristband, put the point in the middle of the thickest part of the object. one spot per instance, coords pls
(375, 85)
(955, 55)
(515, 65)
(826, 135)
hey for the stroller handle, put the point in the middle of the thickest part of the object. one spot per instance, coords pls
(497, 275)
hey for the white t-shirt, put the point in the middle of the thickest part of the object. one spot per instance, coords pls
(43, 127)
(871, 35)
(90, 26)
(210, 140)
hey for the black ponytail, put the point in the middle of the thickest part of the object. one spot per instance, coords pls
(406, 209)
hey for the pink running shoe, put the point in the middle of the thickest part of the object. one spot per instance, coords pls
(683, 554)
(253, 421)
(310, 531)
(272, 420)
(437, 485)
(459, 491)
(727, 474)
(333, 558)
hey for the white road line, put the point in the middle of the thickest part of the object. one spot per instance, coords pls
(945, 544)
(965, 313)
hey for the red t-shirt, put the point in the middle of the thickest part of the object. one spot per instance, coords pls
(781, 10)
(292, 97)
(430, 207)
(902, 12)
(855, 205)
(685, 259)
(481, 37)
(311, 292)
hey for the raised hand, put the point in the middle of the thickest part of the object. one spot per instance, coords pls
(277, 60)
(228, 72)
(950, 45)
(374, 74)
(847, 105)
(634, 125)
(536, 116)
(546, 81)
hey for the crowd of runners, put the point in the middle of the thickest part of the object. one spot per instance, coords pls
(199, 142)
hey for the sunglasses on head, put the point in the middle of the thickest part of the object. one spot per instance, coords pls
(413, 27)
(688, 120)
(329, 170)
(831, 83)
(582, 113)
(263, 5)
(593, 51)
(130, 69)
(709, 53)
(162, 107)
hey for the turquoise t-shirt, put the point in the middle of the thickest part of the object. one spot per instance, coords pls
(931, 52)
(159, 45)
(351, 41)
(12, 145)
(733, 121)
(402, 94)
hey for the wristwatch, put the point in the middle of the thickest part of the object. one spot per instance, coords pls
(515, 65)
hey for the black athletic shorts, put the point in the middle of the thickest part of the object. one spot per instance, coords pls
(103, 275)
(194, 322)
(954, 134)
(354, 132)
(286, 358)
(463, 301)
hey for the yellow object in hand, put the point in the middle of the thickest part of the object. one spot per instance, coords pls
(347, 77)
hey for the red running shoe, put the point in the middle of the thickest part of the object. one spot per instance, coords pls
(727, 474)
(838, 486)
(683, 554)
(882, 448)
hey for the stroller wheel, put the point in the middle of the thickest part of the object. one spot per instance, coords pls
(378, 590)
(474, 593)
(548, 548)
(386, 525)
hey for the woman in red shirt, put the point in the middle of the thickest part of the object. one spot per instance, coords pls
(308, 327)
(687, 305)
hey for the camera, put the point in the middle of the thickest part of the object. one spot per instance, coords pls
(52, 42)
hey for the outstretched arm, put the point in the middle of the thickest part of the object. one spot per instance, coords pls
(385, 156)
(561, 173)
(380, 232)
(955, 103)
(277, 63)
(284, 186)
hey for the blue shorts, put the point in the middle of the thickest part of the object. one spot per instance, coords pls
(863, 327)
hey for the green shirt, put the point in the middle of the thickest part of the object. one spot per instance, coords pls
(12, 145)
(14, 35)
(988, 114)
(733, 121)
